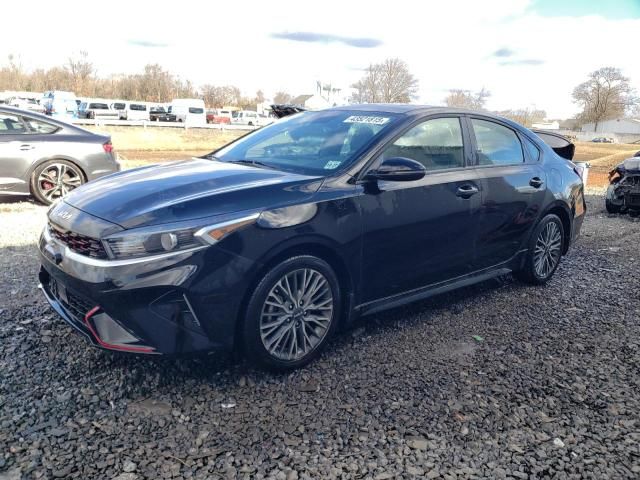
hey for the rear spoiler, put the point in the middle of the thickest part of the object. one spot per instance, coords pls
(559, 143)
(284, 110)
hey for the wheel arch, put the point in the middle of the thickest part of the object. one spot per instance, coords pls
(562, 210)
(315, 247)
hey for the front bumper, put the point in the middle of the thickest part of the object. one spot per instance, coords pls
(176, 304)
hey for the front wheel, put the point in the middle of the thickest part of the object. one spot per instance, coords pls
(545, 251)
(54, 179)
(612, 207)
(292, 313)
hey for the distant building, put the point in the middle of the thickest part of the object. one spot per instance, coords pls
(311, 102)
(554, 125)
(618, 126)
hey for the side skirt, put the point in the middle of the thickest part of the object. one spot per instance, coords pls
(438, 288)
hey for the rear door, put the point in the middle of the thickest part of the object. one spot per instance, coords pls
(421, 232)
(513, 186)
(16, 153)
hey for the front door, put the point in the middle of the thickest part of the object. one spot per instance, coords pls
(513, 188)
(420, 232)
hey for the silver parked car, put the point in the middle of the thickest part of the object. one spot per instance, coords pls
(97, 111)
(47, 158)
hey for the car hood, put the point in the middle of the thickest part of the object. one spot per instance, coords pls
(188, 189)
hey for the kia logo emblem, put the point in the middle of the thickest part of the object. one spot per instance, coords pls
(64, 214)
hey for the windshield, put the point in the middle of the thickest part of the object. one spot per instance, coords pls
(310, 143)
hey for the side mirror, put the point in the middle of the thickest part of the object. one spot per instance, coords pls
(398, 169)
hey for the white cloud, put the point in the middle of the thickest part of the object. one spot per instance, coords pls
(447, 44)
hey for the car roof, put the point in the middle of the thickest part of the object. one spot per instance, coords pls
(406, 108)
(28, 113)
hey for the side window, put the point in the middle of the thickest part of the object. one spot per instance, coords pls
(497, 145)
(38, 126)
(11, 125)
(436, 144)
(532, 150)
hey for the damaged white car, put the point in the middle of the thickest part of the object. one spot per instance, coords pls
(623, 193)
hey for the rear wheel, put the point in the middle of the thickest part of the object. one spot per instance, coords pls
(545, 251)
(54, 179)
(292, 313)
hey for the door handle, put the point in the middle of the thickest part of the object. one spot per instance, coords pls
(467, 191)
(536, 182)
(26, 146)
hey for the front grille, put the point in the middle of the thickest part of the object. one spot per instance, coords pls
(75, 304)
(81, 244)
(632, 200)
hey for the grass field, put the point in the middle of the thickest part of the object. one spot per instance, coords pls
(139, 146)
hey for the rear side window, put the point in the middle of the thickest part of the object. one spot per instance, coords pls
(11, 125)
(532, 150)
(497, 145)
(118, 106)
(38, 126)
(436, 144)
(196, 110)
(135, 106)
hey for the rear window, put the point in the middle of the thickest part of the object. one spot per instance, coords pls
(196, 110)
(99, 106)
(138, 107)
(38, 126)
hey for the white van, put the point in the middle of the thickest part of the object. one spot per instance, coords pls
(189, 110)
(245, 117)
(131, 110)
(59, 103)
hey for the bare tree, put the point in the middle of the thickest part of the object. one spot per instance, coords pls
(81, 70)
(386, 82)
(467, 99)
(282, 98)
(524, 116)
(606, 94)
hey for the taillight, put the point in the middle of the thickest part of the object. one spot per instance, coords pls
(108, 147)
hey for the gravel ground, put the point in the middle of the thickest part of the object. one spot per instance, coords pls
(499, 380)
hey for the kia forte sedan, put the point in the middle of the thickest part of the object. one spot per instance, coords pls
(273, 242)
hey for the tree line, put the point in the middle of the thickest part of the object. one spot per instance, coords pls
(606, 93)
(153, 84)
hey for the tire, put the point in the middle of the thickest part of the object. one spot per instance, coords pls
(634, 213)
(48, 174)
(611, 207)
(547, 242)
(283, 347)
(251, 124)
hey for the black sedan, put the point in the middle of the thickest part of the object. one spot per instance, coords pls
(276, 240)
(48, 158)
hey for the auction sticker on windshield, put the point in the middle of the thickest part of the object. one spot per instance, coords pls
(369, 119)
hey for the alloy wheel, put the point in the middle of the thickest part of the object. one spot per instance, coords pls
(297, 314)
(547, 252)
(58, 179)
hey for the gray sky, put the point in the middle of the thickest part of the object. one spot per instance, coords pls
(528, 53)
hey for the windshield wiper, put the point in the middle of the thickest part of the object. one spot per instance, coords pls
(255, 163)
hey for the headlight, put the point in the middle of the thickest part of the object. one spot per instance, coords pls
(287, 216)
(171, 238)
